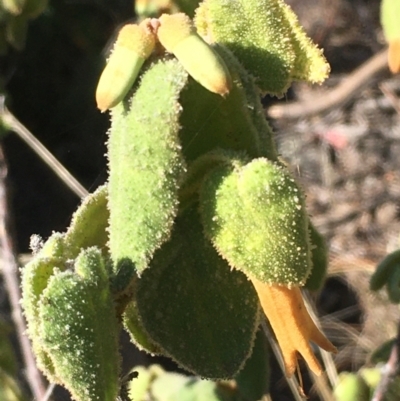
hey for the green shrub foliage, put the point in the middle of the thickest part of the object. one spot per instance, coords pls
(196, 201)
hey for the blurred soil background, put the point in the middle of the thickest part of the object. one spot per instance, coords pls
(347, 157)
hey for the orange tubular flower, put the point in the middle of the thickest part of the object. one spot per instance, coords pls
(394, 56)
(292, 325)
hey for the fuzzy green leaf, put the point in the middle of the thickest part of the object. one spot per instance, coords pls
(194, 307)
(382, 353)
(79, 329)
(253, 380)
(319, 258)
(197, 170)
(138, 334)
(310, 64)
(266, 38)
(255, 216)
(393, 285)
(385, 270)
(35, 277)
(89, 224)
(236, 122)
(146, 165)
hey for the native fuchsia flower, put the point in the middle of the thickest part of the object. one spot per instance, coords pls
(292, 325)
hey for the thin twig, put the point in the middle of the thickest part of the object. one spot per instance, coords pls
(16, 126)
(329, 363)
(49, 392)
(339, 95)
(320, 382)
(391, 96)
(291, 381)
(10, 273)
(390, 371)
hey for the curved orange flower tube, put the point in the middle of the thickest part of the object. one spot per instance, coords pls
(292, 325)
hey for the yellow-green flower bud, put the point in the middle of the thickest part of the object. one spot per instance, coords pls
(134, 44)
(14, 7)
(177, 34)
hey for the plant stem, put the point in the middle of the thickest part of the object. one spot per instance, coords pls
(390, 371)
(338, 96)
(292, 382)
(10, 273)
(66, 177)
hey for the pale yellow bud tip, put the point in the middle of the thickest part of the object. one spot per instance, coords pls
(173, 29)
(138, 38)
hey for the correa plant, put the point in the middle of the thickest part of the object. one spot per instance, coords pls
(201, 226)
